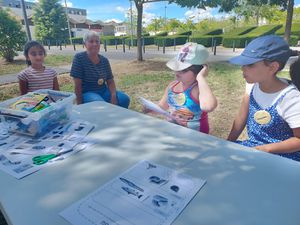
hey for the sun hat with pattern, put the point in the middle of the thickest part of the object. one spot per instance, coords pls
(190, 54)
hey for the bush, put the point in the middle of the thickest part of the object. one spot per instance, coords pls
(264, 30)
(207, 40)
(77, 40)
(164, 33)
(294, 31)
(238, 41)
(112, 40)
(239, 31)
(208, 32)
(147, 41)
(12, 38)
(185, 33)
(171, 40)
(294, 40)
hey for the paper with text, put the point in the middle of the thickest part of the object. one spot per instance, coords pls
(146, 194)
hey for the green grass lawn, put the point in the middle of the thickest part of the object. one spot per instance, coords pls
(150, 79)
(18, 65)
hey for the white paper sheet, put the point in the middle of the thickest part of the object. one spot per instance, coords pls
(146, 194)
(154, 107)
(17, 151)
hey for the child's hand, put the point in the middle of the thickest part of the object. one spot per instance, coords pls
(264, 148)
(145, 110)
(203, 72)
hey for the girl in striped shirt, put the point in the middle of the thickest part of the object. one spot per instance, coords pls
(36, 75)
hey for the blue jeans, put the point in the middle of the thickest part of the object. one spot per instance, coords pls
(104, 95)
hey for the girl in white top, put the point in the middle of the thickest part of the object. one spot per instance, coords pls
(36, 75)
(271, 107)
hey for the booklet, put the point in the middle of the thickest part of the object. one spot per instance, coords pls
(146, 194)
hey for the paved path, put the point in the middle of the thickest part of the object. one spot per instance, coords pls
(117, 55)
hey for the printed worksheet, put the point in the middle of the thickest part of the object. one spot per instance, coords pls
(146, 194)
(154, 107)
(17, 151)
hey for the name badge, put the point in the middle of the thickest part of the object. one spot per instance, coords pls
(180, 99)
(262, 117)
(100, 82)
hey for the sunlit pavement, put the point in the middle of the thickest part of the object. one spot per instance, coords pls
(120, 55)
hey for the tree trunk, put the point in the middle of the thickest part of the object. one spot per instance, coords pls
(289, 18)
(139, 7)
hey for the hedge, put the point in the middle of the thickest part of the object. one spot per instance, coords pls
(184, 33)
(208, 32)
(239, 31)
(77, 40)
(164, 33)
(264, 30)
(294, 40)
(147, 41)
(112, 40)
(294, 31)
(238, 41)
(207, 40)
(171, 40)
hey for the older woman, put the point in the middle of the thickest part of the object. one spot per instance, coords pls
(93, 77)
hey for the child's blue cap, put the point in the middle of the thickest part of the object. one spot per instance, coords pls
(270, 47)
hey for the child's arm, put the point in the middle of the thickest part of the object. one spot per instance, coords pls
(208, 101)
(288, 146)
(55, 84)
(23, 87)
(78, 90)
(240, 120)
(163, 102)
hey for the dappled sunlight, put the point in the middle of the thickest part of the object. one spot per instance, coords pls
(235, 175)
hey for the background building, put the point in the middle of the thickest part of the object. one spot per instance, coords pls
(77, 17)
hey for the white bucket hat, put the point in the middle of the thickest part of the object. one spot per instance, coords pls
(190, 54)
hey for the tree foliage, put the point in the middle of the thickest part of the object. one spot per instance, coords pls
(50, 20)
(225, 6)
(12, 38)
(156, 25)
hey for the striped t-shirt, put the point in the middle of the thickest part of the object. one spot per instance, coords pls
(37, 79)
(90, 73)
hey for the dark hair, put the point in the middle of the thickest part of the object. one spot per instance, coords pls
(281, 64)
(28, 46)
(195, 68)
(295, 72)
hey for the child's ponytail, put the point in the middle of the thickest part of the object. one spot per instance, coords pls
(295, 72)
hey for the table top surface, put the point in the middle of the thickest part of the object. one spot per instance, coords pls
(244, 186)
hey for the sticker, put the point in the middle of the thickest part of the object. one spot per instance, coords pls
(100, 81)
(180, 99)
(262, 117)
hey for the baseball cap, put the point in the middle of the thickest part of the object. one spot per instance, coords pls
(269, 47)
(190, 54)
